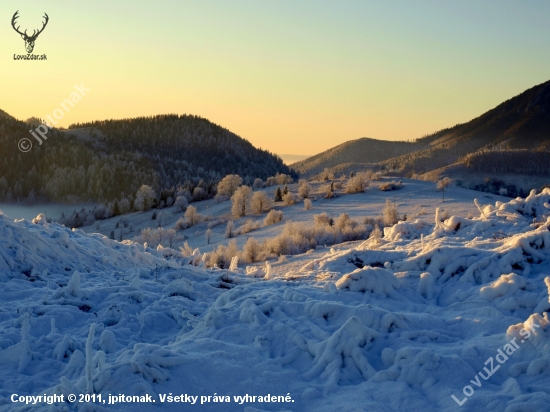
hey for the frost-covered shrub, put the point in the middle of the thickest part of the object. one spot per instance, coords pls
(274, 216)
(248, 226)
(393, 185)
(252, 251)
(376, 233)
(304, 190)
(327, 191)
(357, 183)
(390, 214)
(307, 204)
(323, 219)
(223, 255)
(181, 224)
(289, 199)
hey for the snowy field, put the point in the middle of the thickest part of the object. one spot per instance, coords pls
(431, 316)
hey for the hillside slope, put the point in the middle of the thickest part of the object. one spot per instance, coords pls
(522, 122)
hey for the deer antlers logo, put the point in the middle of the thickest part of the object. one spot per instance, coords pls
(29, 40)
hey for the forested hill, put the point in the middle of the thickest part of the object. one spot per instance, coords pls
(187, 143)
(107, 160)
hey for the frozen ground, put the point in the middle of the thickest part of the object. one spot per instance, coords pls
(400, 323)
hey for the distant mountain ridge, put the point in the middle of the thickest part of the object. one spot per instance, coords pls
(522, 122)
(364, 150)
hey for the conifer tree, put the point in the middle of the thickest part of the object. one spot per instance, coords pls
(278, 195)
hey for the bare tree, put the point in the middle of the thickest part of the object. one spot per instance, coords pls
(442, 185)
(208, 235)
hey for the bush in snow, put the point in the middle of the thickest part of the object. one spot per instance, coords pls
(390, 214)
(252, 251)
(274, 216)
(223, 255)
(307, 204)
(357, 183)
(304, 190)
(289, 199)
(208, 236)
(323, 219)
(376, 233)
(389, 186)
(248, 226)
(260, 202)
(328, 191)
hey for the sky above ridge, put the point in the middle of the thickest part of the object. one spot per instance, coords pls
(290, 76)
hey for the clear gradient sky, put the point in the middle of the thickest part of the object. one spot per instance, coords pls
(291, 76)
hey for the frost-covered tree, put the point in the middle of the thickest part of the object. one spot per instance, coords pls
(181, 203)
(307, 204)
(229, 184)
(259, 202)
(240, 201)
(145, 198)
(208, 235)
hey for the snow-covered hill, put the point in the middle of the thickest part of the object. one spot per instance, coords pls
(406, 322)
